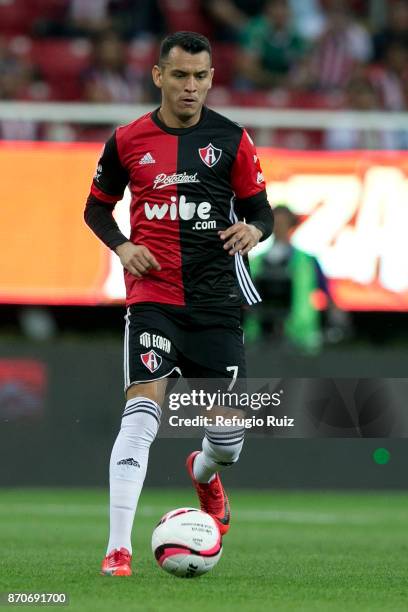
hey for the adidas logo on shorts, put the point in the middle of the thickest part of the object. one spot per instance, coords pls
(147, 159)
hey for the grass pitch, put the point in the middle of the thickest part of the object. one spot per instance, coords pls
(285, 551)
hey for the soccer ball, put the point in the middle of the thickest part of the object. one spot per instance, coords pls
(187, 542)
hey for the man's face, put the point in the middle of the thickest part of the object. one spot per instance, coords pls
(278, 13)
(282, 226)
(110, 53)
(184, 80)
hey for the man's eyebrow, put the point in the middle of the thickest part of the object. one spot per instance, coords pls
(202, 71)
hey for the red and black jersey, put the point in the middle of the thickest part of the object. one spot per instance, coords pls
(186, 185)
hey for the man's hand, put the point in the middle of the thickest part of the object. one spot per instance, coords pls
(240, 238)
(137, 259)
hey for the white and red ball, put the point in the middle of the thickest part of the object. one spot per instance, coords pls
(187, 542)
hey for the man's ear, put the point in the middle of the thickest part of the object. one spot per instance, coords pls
(157, 75)
(212, 76)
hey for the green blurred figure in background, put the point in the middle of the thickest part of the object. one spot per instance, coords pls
(295, 290)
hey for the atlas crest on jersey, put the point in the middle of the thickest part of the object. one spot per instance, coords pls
(151, 360)
(210, 155)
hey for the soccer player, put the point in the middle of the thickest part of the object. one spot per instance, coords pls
(198, 206)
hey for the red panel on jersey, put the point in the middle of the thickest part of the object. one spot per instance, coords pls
(101, 195)
(147, 152)
(246, 176)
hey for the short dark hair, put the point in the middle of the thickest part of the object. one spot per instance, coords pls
(292, 218)
(192, 42)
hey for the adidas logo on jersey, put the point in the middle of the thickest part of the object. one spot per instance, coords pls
(147, 159)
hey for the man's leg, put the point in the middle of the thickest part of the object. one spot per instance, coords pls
(217, 363)
(221, 448)
(128, 465)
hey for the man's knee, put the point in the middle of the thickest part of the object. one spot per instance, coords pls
(154, 390)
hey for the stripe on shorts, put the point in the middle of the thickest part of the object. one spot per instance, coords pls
(126, 349)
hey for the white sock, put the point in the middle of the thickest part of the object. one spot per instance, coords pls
(221, 449)
(128, 465)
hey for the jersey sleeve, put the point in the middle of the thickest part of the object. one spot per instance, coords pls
(107, 188)
(246, 177)
(111, 178)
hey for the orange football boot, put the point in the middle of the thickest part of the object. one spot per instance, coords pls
(117, 563)
(212, 496)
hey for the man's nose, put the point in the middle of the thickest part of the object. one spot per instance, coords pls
(190, 85)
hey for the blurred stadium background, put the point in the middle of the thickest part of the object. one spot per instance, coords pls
(322, 86)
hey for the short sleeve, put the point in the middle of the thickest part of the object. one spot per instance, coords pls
(111, 178)
(247, 179)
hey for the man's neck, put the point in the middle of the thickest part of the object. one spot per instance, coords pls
(172, 121)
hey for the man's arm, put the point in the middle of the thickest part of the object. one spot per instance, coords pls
(257, 211)
(98, 216)
(248, 184)
(243, 236)
(107, 188)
